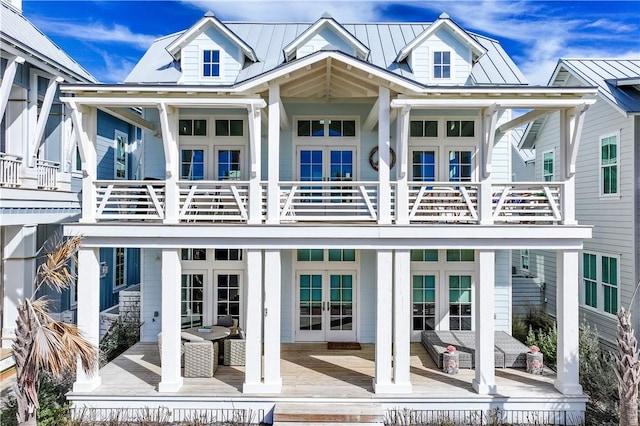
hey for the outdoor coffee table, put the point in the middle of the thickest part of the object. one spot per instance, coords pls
(213, 333)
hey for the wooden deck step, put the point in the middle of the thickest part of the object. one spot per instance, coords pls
(291, 414)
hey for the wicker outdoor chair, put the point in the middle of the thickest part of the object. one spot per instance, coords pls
(200, 358)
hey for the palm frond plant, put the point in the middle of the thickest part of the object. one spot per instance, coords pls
(627, 366)
(43, 343)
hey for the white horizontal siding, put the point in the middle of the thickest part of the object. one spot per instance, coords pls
(442, 40)
(502, 291)
(324, 38)
(367, 297)
(231, 58)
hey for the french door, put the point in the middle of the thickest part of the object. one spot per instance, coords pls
(317, 164)
(326, 306)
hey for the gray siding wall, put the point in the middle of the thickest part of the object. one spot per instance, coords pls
(503, 291)
(287, 297)
(613, 218)
(367, 297)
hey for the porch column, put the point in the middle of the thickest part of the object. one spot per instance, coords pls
(255, 189)
(171, 379)
(384, 157)
(253, 362)
(19, 246)
(272, 302)
(484, 382)
(88, 314)
(382, 381)
(566, 166)
(169, 125)
(402, 149)
(567, 380)
(273, 153)
(402, 322)
(85, 124)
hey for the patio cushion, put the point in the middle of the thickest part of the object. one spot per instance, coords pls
(190, 337)
(225, 321)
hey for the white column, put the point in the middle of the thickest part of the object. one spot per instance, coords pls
(568, 196)
(169, 126)
(88, 313)
(171, 379)
(384, 157)
(86, 127)
(19, 257)
(7, 82)
(382, 381)
(273, 153)
(484, 382)
(567, 378)
(402, 151)
(255, 189)
(402, 322)
(272, 302)
(253, 363)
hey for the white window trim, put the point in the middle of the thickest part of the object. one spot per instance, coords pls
(115, 270)
(116, 135)
(432, 64)
(424, 147)
(600, 166)
(201, 51)
(553, 157)
(528, 257)
(205, 154)
(600, 284)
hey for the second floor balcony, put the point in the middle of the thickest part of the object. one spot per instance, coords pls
(233, 202)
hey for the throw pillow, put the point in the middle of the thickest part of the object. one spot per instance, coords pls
(225, 321)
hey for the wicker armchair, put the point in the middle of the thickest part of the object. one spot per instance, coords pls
(200, 358)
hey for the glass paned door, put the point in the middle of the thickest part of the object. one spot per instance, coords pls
(326, 307)
(192, 300)
(228, 287)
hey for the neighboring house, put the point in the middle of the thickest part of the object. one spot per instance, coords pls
(606, 189)
(327, 182)
(40, 171)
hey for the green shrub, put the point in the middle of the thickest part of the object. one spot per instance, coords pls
(123, 334)
(546, 340)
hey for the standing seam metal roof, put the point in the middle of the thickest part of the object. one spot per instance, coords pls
(18, 30)
(383, 39)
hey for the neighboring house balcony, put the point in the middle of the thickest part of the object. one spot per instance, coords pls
(342, 201)
(45, 174)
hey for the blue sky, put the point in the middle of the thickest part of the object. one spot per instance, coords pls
(108, 37)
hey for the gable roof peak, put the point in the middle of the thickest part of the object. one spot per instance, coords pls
(444, 15)
(209, 14)
(326, 15)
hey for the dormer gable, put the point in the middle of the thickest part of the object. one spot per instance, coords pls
(444, 53)
(209, 52)
(325, 33)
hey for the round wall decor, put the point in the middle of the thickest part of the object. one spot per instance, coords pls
(373, 158)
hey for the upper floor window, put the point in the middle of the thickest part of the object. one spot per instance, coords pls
(424, 165)
(227, 254)
(192, 127)
(441, 64)
(121, 140)
(229, 127)
(194, 254)
(211, 63)
(120, 268)
(460, 128)
(331, 128)
(524, 259)
(547, 166)
(609, 165)
(460, 166)
(423, 129)
(192, 164)
(460, 255)
(424, 255)
(229, 164)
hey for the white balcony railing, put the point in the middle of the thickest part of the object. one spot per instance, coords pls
(47, 172)
(130, 199)
(328, 201)
(332, 202)
(527, 202)
(443, 202)
(9, 169)
(213, 201)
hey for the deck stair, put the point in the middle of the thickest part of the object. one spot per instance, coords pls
(291, 414)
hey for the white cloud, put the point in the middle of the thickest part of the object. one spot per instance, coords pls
(116, 68)
(95, 32)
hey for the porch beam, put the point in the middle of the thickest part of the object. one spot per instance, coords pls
(384, 266)
(37, 136)
(253, 363)
(484, 382)
(171, 273)
(567, 378)
(489, 118)
(130, 117)
(402, 322)
(524, 119)
(194, 102)
(85, 127)
(88, 312)
(7, 82)
(574, 127)
(272, 311)
(372, 117)
(474, 103)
